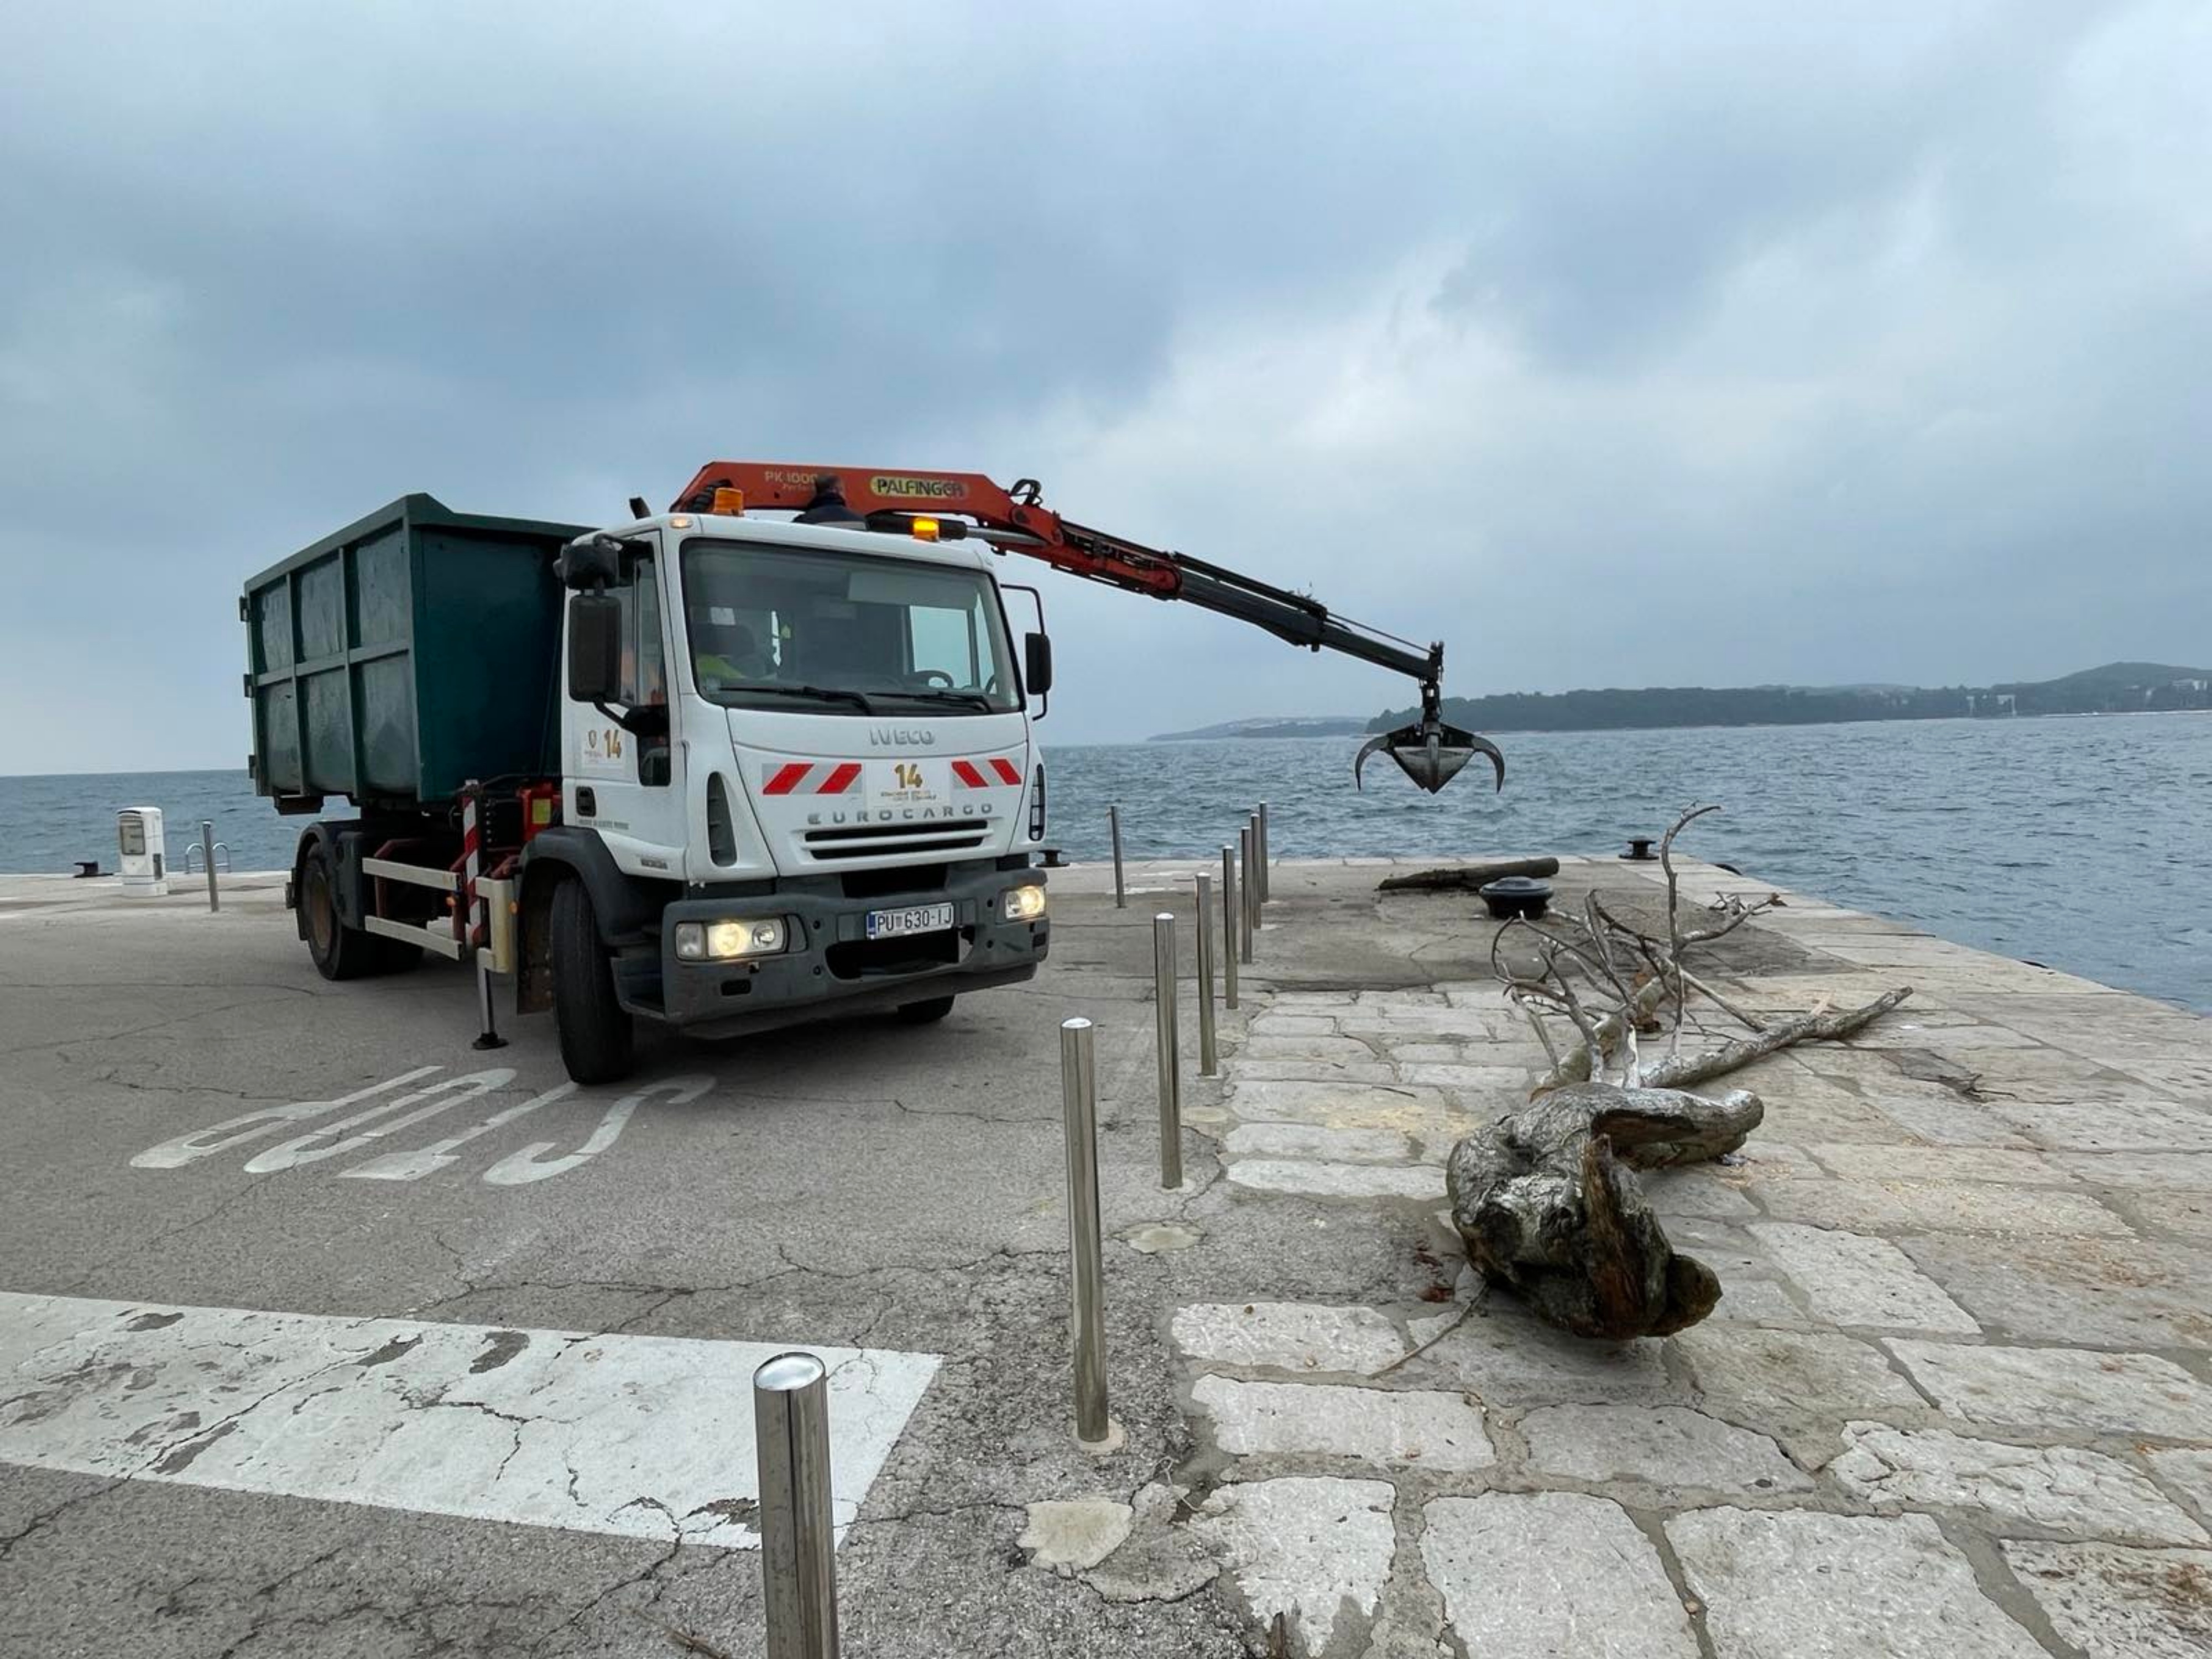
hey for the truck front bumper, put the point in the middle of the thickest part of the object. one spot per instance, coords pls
(832, 967)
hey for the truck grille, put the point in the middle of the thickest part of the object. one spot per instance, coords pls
(869, 840)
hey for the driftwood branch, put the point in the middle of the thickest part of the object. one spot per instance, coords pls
(1549, 1205)
(1575, 1066)
(1467, 877)
(1819, 1026)
(1548, 1198)
(1610, 981)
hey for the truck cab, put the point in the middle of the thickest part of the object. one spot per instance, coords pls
(798, 775)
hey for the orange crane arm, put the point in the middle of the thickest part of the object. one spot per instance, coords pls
(1070, 547)
(1018, 520)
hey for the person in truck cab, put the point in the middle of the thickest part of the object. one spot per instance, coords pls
(726, 651)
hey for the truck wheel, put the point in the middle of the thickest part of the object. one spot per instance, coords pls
(924, 1013)
(339, 951)
(596, 1035)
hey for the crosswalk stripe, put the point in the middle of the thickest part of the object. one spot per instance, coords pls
(643, 1436)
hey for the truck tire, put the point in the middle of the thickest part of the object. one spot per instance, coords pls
(339, 951)
(597, 1038)
(925, 1014)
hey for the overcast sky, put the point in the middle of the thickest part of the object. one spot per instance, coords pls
(1742, 343)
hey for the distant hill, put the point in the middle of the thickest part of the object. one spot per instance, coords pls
(1274, 726)
(2116, 688)
(2127, 675)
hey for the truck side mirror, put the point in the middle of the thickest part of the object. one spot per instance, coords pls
(1036, 663)
(594, 647)
(590, 562)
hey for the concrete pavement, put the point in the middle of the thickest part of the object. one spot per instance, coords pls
(173, 1092)
(1957, 1397)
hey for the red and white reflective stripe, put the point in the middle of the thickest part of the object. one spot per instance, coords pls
(472, 863)
(811, 778)
(968, 774)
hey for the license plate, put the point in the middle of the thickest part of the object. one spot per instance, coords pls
(909, 919)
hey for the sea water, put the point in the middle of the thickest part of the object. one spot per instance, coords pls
(2082, 843)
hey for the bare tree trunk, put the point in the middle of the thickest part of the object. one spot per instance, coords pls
(1683, 1070)
(1549, 1207)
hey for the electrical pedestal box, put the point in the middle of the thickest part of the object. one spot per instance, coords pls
(142, 851)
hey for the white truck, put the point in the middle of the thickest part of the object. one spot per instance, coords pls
(764, 757)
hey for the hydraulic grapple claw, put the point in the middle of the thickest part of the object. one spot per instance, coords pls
(1431, 753)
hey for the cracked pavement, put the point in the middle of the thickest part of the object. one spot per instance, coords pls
(858, 1185)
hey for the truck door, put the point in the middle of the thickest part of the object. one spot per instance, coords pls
(628, 784)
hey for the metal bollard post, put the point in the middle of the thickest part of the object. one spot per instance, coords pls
(1209, 1055)
(207, 852)
(1245, 918)
(1114, 829)
(1228, 929)
(1254, 875)
(1267, 875)
(798, 1541)
(1171, 1046)
(1079, 1088)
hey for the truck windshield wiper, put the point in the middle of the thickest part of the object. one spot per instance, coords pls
(964, 699)
(819, 693)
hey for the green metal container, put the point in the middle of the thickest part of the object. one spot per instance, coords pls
(414, 650)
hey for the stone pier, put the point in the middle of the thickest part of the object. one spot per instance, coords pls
(1956, 1398)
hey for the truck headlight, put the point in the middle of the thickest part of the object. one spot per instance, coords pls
(1024, 903)
(728, 941)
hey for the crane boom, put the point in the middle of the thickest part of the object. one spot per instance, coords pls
(1017, 519)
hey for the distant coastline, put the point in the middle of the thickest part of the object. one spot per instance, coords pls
(1285, 725)
(2123, 687)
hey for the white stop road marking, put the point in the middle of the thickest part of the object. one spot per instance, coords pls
(643, 1436)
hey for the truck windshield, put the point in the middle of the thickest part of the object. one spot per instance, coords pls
(798, 629)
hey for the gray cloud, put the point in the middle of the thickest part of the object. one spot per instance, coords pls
(1737, 346)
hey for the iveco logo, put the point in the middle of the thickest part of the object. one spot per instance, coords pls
(887, 736)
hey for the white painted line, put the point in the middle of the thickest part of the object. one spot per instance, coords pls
(364, 1129)
(641, 1436)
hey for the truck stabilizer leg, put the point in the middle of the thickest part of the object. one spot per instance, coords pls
(489, 1036)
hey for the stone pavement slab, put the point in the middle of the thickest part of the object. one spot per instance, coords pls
(1401, 1428)
(1552, 1575)
(1424, 1182)
(2003, 1165)
(1668, 1447)
(1316, 1550)
(2035, 1389)
(1849, 1278)
(1793, 1374)
(2115, 1604)
(2149, 1124)
(2188, 1472)
(2060, 1488)
(1288, 1336)
(2120, 1293)
(1306, 1140)
(1800, 1584)
(1960, 1207)
(1506, 1358)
